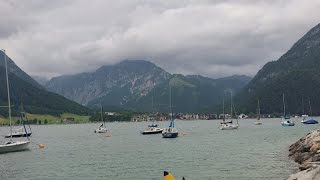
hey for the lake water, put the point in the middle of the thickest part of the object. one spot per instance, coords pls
(205, 152)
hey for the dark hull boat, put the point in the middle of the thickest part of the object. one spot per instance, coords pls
(152, 131)
(171, 131)
(18, 135)
(311, 121)
(169, 134)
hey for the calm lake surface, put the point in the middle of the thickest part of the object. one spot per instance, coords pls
(206, 152)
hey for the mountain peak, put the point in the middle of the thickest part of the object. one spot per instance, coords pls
(305, 46)
(130, 65)
(13, 68)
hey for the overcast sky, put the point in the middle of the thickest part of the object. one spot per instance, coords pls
(213, 38)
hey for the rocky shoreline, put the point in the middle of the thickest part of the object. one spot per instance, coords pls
(306, 152)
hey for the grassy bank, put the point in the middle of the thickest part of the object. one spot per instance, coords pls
(65, 118)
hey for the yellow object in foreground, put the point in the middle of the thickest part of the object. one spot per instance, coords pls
(168, 176)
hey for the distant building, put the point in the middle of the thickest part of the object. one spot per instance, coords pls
(242, 116)
(69, 120)
(110, 113)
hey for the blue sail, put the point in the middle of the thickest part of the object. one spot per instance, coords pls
(171, 123)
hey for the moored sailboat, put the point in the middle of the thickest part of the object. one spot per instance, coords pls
(311, 120)
(258, 120)
(285, 120)
(102, 128)
(171, 131)
(17, 145)
(21, 131)
(229, 125)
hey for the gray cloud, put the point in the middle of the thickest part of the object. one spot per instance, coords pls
(211, 38)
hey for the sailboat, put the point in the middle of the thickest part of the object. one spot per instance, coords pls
(154, 124)
(285, 120)
(18, 145)
(229, 125)
(102, 128)
(152, 128)
(309, 121)
(224, 115)
(21, 131)
(258, 121)
(171, 131)
(304, 116)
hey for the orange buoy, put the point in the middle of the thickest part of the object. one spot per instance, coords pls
(41, 146)
(107, 135)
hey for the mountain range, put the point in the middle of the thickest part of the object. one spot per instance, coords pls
(135, 84)
(140, 85)
(296, 75)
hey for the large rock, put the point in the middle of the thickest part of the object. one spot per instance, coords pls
(309, 174)
(306, 152)
(305, 149)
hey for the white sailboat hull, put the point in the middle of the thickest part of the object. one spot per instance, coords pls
(229, 126)
(258, 123)
(101, 130)
(14, 146)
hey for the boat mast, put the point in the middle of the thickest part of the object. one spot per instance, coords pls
(310, 108)
(171, 116)
(231, 104)
(284, 106)
(9, 103)
(302, 106)
(258, 109)
(224, 117)
(152, 113)
(104, 123)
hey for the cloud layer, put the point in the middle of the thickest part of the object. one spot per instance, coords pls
(211, 38)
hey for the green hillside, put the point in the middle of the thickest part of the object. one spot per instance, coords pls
(296, 73)
(35, 100)
(189, 94)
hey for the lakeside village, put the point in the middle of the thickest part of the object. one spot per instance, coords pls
(68, 118)
(138, 117)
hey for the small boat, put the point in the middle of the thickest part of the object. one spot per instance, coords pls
(18, 145)
(153, 125)
(20, 132)
(14, 146)
(170, 132)
(258, 121)
(304, 117)
(152, 130)
(102, 128)
(169, 176)
(228, 125)
(309, 121)
(285, 120)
